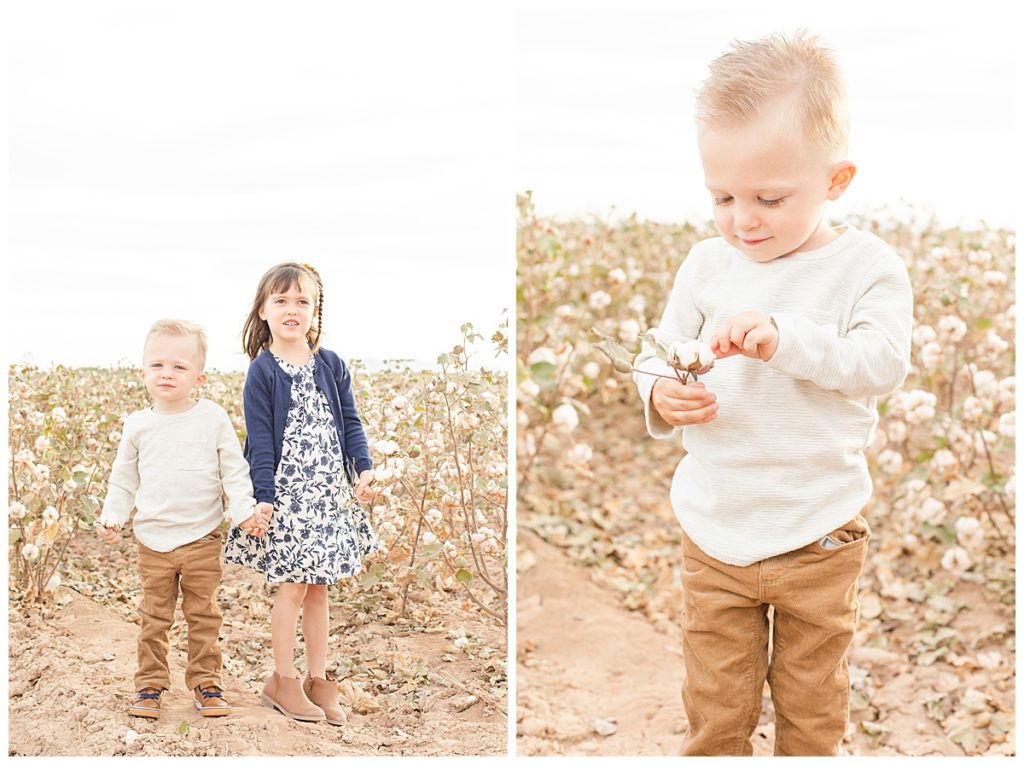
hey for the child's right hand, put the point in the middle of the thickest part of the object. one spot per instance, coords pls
(680, 404)
(109, 534)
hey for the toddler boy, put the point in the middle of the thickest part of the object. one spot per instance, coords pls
(175, 460)
(809, 325)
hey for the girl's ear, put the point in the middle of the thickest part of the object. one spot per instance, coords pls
(842, 175)
(200, 380)
(142, 374)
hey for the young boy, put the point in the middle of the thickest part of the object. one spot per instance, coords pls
(809, 325)
(175, 460)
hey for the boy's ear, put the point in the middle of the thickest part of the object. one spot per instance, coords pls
(200, 380)
(141, 373)
(842, 175)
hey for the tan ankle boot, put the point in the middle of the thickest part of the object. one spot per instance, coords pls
(285, 695)
(324, 693)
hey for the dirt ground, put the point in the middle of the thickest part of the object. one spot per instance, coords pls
(596, 679)
(430, 685)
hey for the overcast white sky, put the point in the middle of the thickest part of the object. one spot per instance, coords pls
(163, 155)
(605, 102)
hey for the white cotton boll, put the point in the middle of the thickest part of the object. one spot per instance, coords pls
(637, 304)
(522, 419)
(580, 454)
(932, 355)
(428, 538)
(951, 329)
(565, 418)
(629, 329)
(541, 355)
(969, 533)
(53, 584)
(591, 370)
(24, 457)
(17, 510)
(42, 472)
(1010, 487)
(385, 447)
(944, 462)
(960, 440)
(617, 276)
(1007, 424)
(565, 312)
(50, 516)
(399, 402)
(30, 552)
(42, 444)
(994, 278)
(923, 334)
(1007, 391)
(599, 300)
(979, 257)
(890, 461)
(932, 511)
(972, 409)
(691, 355)
(58, 414)
(956, 560)
(528, 390)
(920, 414)
(985, 384)
(995, 343)
(433, 516)
(897, 432)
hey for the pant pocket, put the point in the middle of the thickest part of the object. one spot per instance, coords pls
(853, 531)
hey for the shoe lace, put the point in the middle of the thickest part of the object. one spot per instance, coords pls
(208, 694)
(147, 695)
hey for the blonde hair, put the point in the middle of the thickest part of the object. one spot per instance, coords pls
(757, 72)
(279, 279)
(183, 329)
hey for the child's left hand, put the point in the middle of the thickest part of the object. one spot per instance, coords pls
(751, 334)
(363, 491)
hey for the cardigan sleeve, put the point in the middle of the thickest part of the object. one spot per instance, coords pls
(358, 451)
(258, 406)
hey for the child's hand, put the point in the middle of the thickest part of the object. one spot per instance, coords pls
(752, 334)
(252, 526)
(363, 491)
(109, 534)
(263, 513)
(680, 404)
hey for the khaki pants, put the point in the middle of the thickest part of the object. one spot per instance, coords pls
(195, 570)
(725, 645)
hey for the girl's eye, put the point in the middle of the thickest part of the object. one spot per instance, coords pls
(722, 200)
(771, 202)
(180, 369)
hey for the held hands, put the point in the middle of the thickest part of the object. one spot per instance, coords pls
(751, 334)
(680, 404)
(363, 491)
(257, 524)
(109, 534)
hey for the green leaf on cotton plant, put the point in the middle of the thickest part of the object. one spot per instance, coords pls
(464, 575)
(621, 359)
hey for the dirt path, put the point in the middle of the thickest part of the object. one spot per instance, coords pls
(71, 680)
(583, 658)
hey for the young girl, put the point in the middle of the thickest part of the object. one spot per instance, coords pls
(306, 447)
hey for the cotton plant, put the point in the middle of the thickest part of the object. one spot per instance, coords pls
(688, 359)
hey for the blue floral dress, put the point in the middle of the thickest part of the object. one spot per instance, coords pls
(318, 531)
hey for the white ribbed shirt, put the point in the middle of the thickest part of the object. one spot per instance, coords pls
(783, 463)
(174, 468)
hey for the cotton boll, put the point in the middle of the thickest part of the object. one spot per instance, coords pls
(969, 532)
(951, 329)
(599, 300)
(897, 432)
(944, 463)
(565, 418)
(923, 335)
(932, 355)
(541, 355)
(890, 461)
(972, 409)
(956, 560)
(1007, 424)
(985, 384)
(591, 370)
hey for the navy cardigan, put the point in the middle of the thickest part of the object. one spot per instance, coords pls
(266, 398)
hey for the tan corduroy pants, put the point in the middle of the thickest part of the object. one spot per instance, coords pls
(195, 570)
(725, 645)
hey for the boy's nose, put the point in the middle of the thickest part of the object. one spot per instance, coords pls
(745, 219)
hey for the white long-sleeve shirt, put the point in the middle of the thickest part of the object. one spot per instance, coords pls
(783, 464)
(174, 468)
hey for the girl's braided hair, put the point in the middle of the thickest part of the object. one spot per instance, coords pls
(256, 332)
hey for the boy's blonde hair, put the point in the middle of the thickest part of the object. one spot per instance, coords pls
(184, 329)
(758, 72)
